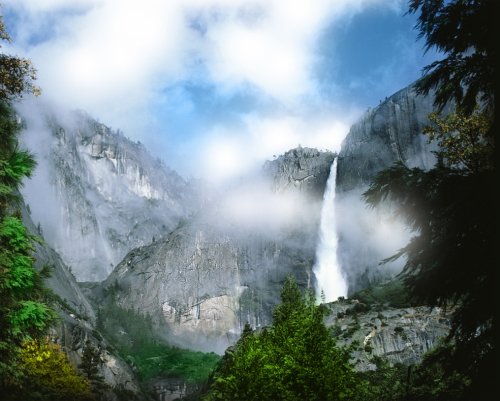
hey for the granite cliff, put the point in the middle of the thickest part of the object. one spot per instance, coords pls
(226, 265)
(388, 133)
(97, 194)
(391, 132)
(398, 334)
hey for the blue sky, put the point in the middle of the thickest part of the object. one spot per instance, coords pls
(214, 87)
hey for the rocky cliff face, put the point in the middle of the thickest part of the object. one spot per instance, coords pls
(389, 133)
(400, 335)
(226, 265)
(77, 323)
(386, 134)
(97, 194)
(302, 169)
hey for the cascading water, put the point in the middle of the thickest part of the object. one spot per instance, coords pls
(330, 283)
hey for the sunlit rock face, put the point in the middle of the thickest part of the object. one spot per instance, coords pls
(97, 194)
(304, 169)
(226, 266)
(388, 133)
(391, 132)
(400, 335)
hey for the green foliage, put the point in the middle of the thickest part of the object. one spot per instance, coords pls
(47, 375)
(89, 366)
(465, 141)
(451, 216)
(30, 319)
(16, 74)
(386, 383)
(451, 208)
(294, 359)
(24, 314)
(91, 360)
(137, 341)
(465, 31)
(162, 360)
(436, 378)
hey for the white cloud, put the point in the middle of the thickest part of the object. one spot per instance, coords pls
(111, 48)
(226, 154)
(113, 58)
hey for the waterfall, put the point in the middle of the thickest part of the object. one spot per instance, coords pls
(330, 283)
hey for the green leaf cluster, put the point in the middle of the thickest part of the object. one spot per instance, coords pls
(294, 359)
(16, 74)
(465, 140)
(24, 313)
(451, 259)
(47, 375)
(464, 31)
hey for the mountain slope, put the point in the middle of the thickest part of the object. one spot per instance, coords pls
(97, 194)
(391, 132)
(77, 323)
(226, 265)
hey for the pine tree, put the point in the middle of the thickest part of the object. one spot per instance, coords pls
(294, 359)
(451, 259)
(24, 314)
(90, 364)
(465, 31)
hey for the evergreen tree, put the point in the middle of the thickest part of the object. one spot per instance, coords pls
(465, 31)
(90, 364)
(451, 208)
(24, 314)
(294, 359)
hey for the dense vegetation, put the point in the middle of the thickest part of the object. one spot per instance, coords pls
(391, 293)
(136, 340)
(294, 359)
(31, 368)
(451, 260)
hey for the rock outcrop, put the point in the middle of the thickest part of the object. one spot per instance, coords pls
(226, 265)
(97, 194)
(388, 133)
(391, 132)
(400, 335)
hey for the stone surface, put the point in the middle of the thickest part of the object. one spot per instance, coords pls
(388, 133)
(96, 194)
(226, 265)
(401, 335)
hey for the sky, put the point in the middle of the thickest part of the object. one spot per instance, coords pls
(215, 87)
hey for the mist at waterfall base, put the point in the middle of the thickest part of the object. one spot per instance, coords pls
(352, 242)
(330, 283)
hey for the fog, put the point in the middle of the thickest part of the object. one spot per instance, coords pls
(111, 215)
(95, 193)
(366, 237)
(40, 190)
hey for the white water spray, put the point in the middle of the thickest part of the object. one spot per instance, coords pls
(330, 283)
